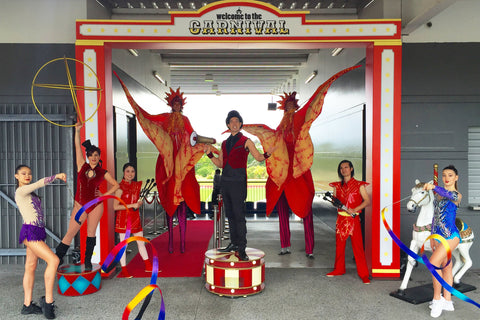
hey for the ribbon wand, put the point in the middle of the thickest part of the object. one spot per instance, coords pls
(336, 203)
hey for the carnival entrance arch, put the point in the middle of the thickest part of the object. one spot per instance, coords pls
(254, 24)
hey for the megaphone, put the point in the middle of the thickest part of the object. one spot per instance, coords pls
(195, 138)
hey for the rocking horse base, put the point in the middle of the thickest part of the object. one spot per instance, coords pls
(424, 293)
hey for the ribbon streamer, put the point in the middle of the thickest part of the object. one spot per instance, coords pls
(117, 252)
(424, 259)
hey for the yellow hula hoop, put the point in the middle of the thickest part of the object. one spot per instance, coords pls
(70, 87)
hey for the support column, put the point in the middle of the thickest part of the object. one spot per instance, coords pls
(383, 123)
(100, 130)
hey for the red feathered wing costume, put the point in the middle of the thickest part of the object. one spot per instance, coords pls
(289, 166)
(175, 169)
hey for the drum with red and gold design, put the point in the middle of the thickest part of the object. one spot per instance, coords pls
(227, 275)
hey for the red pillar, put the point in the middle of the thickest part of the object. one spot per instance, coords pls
(99, 128)
(383, 123)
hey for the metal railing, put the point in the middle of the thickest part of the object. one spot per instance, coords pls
(255, 190)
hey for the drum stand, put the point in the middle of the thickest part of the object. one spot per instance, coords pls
(218, 223)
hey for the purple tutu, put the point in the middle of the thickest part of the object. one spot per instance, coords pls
(31, 232)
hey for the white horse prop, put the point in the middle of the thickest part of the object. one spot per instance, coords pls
(421, 230)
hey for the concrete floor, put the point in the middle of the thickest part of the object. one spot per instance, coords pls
(296, 287)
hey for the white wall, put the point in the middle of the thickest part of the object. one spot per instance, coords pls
(458, 23)
(44, 21)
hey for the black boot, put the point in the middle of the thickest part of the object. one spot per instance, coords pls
(229, 248)
(60, 251)
(91, 242)
(242, 255)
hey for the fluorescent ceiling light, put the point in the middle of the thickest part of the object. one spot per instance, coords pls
(336, 51)
(159, 78)
(368, 4)
(133, 52)
(311, 76)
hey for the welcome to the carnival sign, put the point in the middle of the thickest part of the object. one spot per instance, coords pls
(245, 19)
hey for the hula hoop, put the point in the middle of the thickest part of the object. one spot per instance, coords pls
(70, 87)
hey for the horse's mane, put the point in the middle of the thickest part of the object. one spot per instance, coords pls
(420, 185)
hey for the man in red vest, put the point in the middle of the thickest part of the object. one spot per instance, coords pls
(232, 157)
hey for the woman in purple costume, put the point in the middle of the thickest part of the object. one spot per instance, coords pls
(33, 236)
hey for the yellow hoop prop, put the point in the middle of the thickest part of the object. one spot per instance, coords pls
(70, 87)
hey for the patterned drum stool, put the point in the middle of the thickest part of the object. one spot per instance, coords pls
(73, 280)
(227, 275)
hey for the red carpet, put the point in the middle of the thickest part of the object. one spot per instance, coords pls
(187, 264)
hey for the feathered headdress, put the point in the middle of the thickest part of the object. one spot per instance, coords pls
(288, 97)
(175, 96)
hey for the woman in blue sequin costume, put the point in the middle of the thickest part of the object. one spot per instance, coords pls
(446, 203)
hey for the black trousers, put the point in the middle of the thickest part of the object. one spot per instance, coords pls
(234, 194)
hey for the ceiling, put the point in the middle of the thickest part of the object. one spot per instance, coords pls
(234, 71)
(159, 5)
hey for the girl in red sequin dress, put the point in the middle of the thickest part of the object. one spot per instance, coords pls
(129, 192)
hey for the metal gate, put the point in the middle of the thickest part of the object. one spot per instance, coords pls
(26, 138)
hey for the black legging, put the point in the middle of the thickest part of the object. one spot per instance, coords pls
(234, 194)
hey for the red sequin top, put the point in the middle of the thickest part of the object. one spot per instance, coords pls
(130, 191)
(86, 186)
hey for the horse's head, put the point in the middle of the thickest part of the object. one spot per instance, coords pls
(420, 197)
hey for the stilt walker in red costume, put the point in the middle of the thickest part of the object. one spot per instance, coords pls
(290, 183)
(353, 195)
(175, 170)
